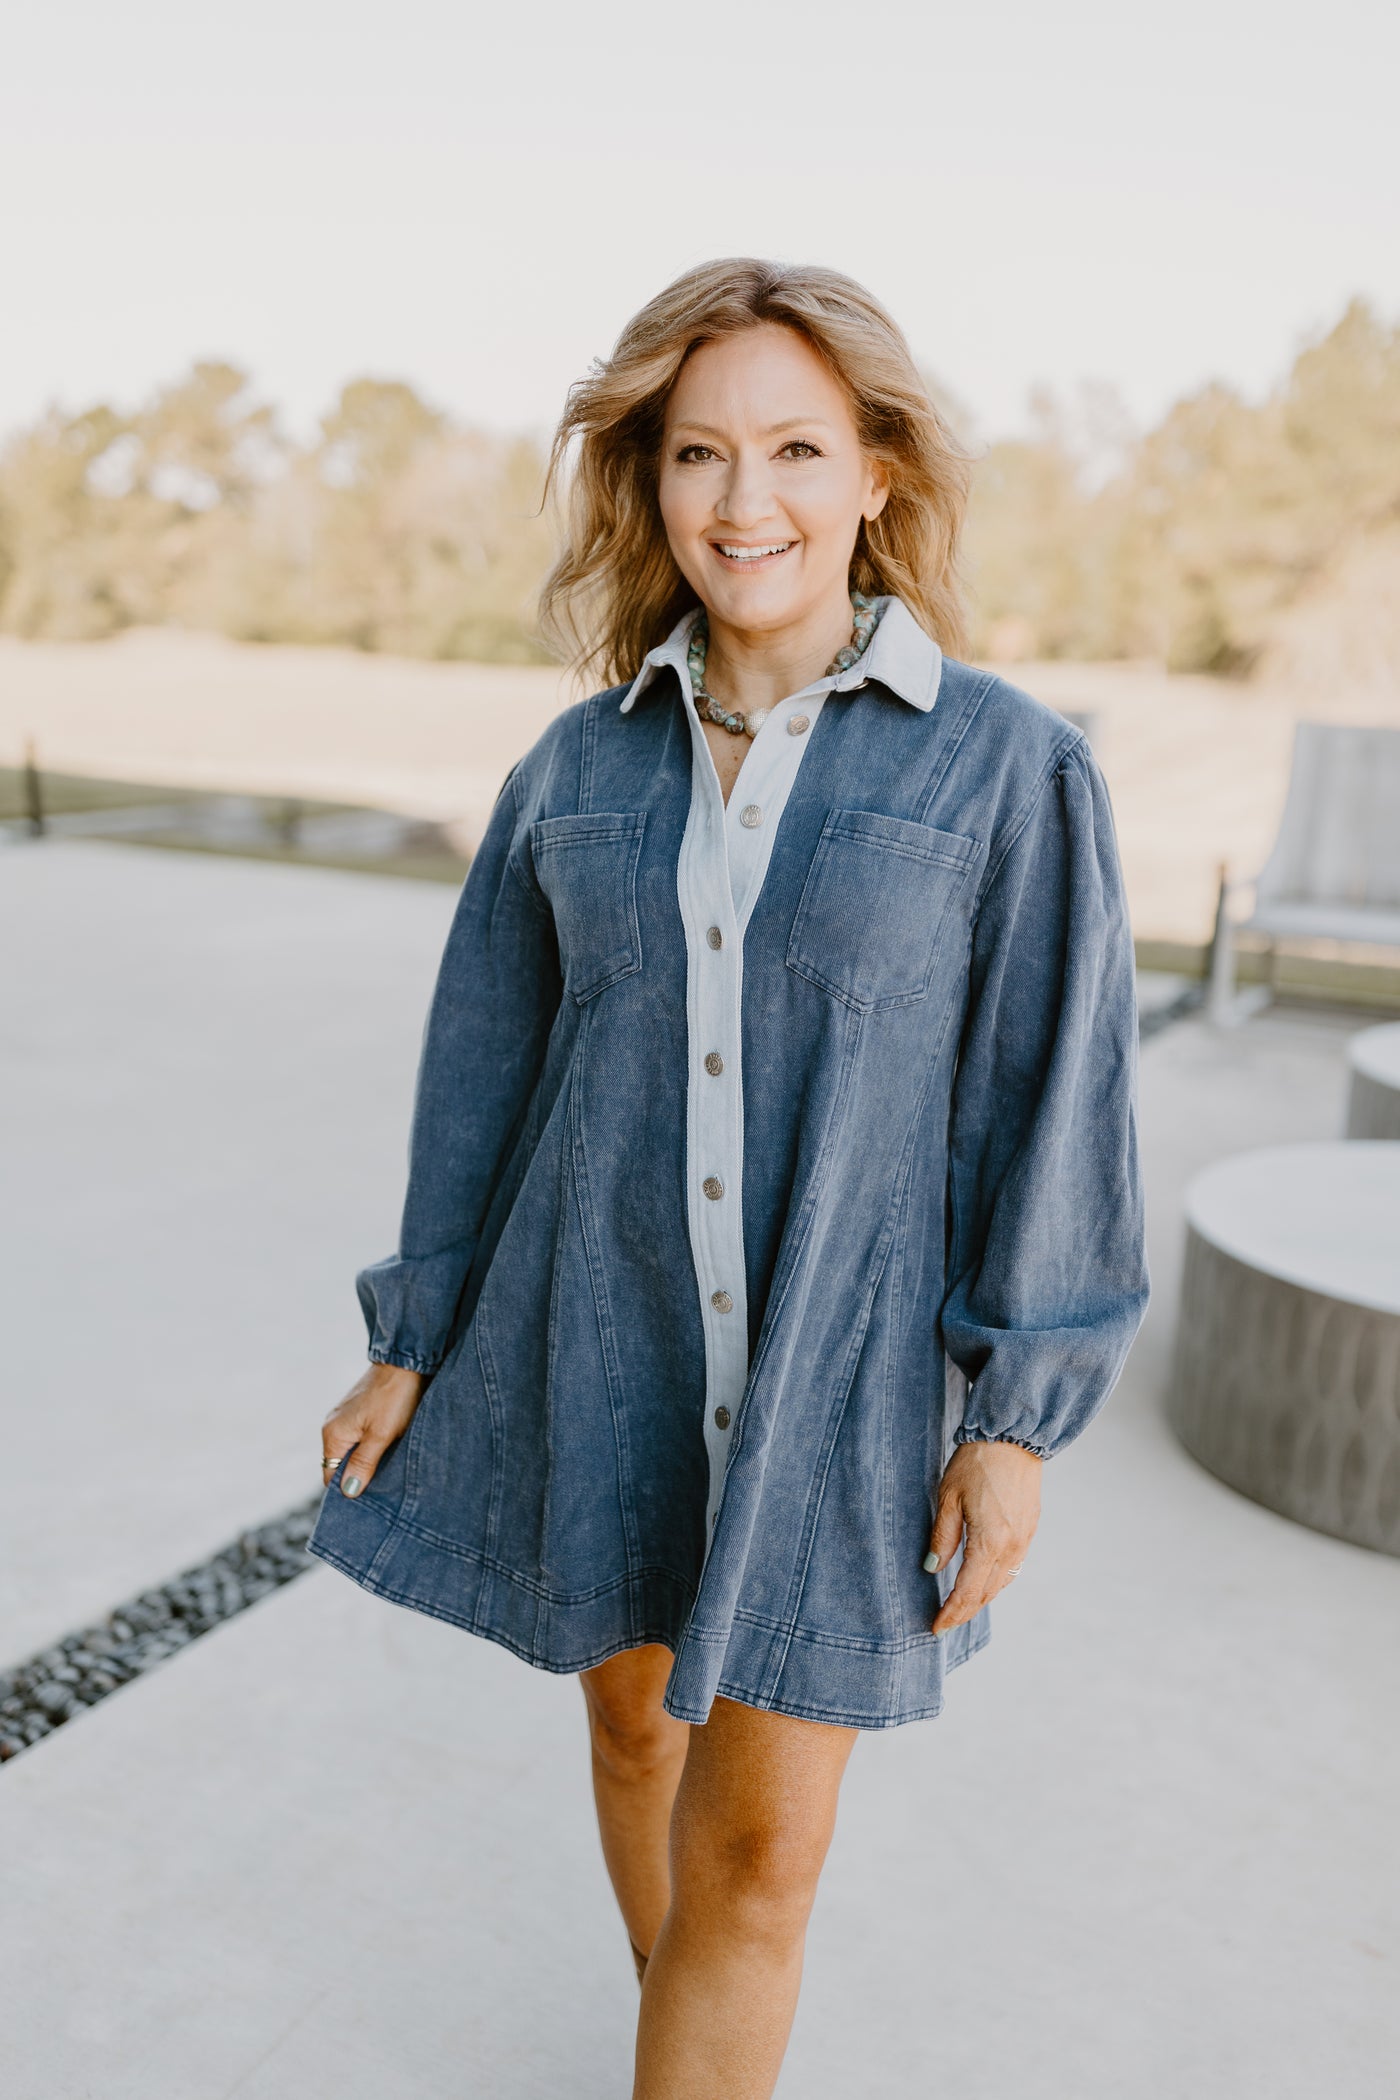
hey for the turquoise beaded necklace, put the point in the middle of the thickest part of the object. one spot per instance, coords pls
(867, 614)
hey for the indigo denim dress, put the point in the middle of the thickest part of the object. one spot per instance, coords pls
(760, 1155)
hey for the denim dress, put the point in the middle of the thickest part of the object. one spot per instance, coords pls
(760, 1155)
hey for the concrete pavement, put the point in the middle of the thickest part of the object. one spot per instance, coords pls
(207, 1067)
(338, 1851)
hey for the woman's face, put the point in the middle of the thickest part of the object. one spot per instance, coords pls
(763, 482)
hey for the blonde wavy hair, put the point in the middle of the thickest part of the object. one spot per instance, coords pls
(615, 590)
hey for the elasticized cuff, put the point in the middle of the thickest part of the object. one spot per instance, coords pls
(964, 1435)
(405, 1361)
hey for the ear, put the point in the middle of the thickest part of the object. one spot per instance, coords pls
(877, 493)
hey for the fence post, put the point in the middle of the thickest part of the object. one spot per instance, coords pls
(33, 793)
(1222, 955)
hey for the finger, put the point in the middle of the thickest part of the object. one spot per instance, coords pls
(988, 1574)
(336, 1440)
(975, 1586)
(947, 1529)
(359, 1469)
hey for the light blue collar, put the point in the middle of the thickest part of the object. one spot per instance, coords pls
(899, 655)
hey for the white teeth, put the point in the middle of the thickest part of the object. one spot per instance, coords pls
(753, 553)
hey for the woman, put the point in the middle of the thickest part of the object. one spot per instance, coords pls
(782, 1061)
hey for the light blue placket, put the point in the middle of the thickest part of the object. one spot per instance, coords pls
(723, 860)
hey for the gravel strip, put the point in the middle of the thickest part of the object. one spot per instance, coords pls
(65, 1680)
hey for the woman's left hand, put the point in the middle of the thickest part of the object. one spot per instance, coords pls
(993, 1490)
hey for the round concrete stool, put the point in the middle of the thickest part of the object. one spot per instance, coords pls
(1373, 1104)
(1286, 1382)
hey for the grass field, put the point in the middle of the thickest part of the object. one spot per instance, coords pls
(1197, 767)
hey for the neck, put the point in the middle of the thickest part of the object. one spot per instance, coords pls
(746, 669)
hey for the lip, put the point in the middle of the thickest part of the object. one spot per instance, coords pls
(754, 563)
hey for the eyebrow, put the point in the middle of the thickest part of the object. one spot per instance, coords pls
(773, 430)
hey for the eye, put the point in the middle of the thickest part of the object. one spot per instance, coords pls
(694, 455)
(799, 448)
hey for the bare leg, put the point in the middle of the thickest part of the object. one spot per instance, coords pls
(749, 1833)
(638, 1752)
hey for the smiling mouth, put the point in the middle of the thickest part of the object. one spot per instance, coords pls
(728, 550)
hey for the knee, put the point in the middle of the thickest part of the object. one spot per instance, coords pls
(758, 1879)
(633, 1739)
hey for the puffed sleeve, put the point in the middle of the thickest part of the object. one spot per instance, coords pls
(498, 990)
(1047, 1273)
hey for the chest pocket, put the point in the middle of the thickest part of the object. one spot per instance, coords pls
(587, 867)
(872, 913)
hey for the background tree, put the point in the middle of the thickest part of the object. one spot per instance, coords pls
(1205, 542)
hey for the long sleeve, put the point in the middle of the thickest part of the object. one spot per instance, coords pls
(1047, 1280)
(498, 990)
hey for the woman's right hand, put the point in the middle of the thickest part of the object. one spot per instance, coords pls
(378, 1407)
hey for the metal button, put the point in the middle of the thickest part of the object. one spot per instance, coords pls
(713, 1187)
(721, 1301)
(714, 1062)
(715, 937)
(721, 1418)
(797, 723)
(750, 815)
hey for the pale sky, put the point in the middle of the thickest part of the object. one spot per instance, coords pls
(475, 199)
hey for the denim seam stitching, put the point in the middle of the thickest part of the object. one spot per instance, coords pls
(957, 731)
(607, 1333)
(556, 1600)
(816, 1637)
(1017, 823)
(887, 1465)
(538, 904)
(564, 1188)
(779, 1289)
(884, 1002)
(469, 1622)
(588, 736)
(888, 1235)
(860, 1332)
(496, 1416)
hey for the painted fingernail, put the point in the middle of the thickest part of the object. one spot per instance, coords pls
(351, 1487)
(933, 1562)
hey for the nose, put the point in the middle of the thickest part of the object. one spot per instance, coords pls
(746, 499)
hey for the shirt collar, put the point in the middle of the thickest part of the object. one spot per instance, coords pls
(899, 655)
